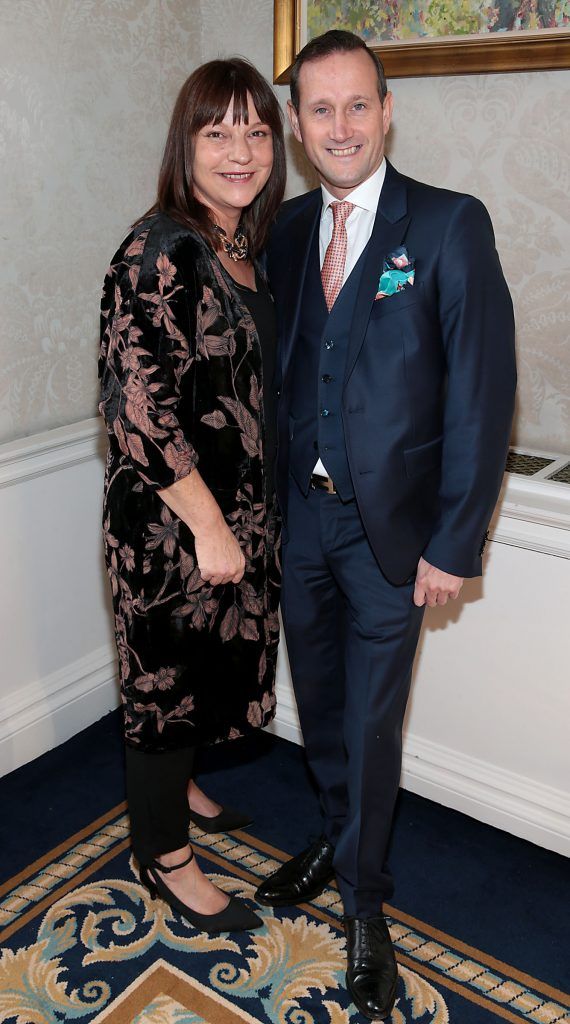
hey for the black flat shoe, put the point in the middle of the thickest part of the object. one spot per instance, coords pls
(300, 879)
(226, 821)
(372, 974)
(236, 917)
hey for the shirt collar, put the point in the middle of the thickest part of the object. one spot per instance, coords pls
(366, 196)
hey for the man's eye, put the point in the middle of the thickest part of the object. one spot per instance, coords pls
(360, 106)
(320, 110)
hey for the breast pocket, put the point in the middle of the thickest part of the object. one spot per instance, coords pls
(394, 303)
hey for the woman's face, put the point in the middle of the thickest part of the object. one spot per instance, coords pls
(232, 163)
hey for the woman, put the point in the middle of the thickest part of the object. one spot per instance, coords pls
(191, 534)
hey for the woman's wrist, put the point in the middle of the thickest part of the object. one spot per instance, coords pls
(203, 527)
(193, 502)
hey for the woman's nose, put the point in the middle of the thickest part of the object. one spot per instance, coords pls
(240, 151)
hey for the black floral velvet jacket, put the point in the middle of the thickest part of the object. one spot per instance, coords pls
(181, 386)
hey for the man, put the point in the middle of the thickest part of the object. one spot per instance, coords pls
(397, 382)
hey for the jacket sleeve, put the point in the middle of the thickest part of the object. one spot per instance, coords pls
(146, 351)
(477, 324)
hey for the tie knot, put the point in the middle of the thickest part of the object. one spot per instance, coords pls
(341, 211)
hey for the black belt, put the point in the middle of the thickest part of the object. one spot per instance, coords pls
(322, 483)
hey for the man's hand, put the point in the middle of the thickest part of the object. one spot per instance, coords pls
(434, 586)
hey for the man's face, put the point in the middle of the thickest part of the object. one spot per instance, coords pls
(341, 120)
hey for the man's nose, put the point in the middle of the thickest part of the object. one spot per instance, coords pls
(341, 130)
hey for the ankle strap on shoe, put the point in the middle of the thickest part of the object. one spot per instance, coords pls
(173, 867)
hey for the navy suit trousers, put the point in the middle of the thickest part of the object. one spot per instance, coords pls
(351, 639)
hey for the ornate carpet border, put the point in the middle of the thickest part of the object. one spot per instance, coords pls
(441, 958)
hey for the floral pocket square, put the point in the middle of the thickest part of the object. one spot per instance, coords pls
(398, 273)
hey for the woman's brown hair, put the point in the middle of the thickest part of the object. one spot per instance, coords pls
(204, 99)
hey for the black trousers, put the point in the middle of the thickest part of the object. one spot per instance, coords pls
(157, 796)
(351, 639)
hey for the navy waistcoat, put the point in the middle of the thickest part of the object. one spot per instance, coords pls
(315, 423)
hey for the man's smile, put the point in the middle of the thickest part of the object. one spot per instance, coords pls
(347, 151)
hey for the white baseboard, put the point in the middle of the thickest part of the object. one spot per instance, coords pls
(286, 722)
(498, 797)
(490, 794)
(51, 710)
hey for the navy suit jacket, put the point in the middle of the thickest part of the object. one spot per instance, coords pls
(430, 376)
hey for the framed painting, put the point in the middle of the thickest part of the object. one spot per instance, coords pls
(433, 37)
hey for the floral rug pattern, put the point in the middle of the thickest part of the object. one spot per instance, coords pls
(82, 940)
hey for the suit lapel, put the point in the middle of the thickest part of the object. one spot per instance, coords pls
(299, 244)
(388, 233)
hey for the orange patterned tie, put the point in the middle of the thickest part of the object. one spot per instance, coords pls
(332, 271)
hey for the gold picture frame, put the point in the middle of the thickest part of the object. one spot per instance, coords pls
(511, 51)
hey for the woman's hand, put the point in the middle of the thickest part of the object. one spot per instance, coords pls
(220, 558)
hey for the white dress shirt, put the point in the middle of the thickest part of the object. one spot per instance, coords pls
(359, 226)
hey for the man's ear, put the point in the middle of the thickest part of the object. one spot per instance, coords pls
(387, 109)
(294, 120)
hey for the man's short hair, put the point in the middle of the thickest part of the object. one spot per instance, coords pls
(335, 41)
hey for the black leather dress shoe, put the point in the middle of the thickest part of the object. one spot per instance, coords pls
(372, 973)
(301, 878)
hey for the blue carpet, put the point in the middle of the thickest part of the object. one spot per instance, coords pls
(488, 889)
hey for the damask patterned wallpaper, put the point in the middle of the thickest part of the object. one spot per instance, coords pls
(86, 90)
(505, 138)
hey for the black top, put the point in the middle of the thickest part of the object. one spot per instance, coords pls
(262, 309)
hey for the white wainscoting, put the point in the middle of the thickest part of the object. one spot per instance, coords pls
(57, 670)
(487, 726)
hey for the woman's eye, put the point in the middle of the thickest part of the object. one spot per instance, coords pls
(215, 135)
(259, 133)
